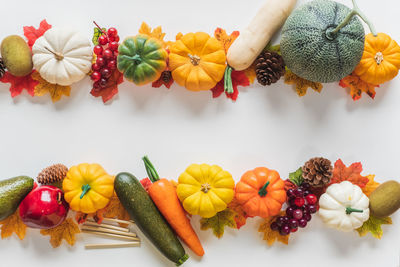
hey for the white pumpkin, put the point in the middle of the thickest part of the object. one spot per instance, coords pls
(344, 206)
(62, 56)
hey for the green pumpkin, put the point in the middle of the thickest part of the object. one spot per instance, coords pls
(141, 59)
(311, 52)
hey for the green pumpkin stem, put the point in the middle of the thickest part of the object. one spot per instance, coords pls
(85, 189)
(356, 11)
(228, 87)
(350, 210)
(151, 171)
(263, 191)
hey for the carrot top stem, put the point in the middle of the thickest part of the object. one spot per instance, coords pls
(151, 171)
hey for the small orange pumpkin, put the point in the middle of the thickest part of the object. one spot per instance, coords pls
(261, 192)
(197, 61)
(381, 59)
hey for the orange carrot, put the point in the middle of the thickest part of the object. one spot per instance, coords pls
(163, 194)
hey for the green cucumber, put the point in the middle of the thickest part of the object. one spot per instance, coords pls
(147, 217)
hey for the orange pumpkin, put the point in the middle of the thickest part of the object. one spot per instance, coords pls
(381, 59)
(261, 192)
(197, 61)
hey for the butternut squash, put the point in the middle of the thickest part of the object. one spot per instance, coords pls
(258, 33)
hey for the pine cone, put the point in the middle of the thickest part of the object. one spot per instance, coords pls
(317, 172)
(270, 67)
(2, 68)
(53, 174)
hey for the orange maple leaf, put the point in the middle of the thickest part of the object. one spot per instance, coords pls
(43, 87)
(155, 33)
(67, 231)
(352, 174)
(13, 224)
(370, 186)
(250, 72)
(240, 216)
(358, 86)
(116, 210)
(225, 39)
(272, 236)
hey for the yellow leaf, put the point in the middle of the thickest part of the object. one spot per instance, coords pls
(225, 39)
(67, 231)
(156, 32)
(115, 210)
(219, 221)
(373, 225)
(13, 224)
(56, 91)
(301, 84)
(370, 186)
(250, 72)
(272, 236)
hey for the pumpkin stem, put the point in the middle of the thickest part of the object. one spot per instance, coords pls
(228, 87)
(378, 58)
(205, 187)
(349, 210)
(331, 34)
(194, 59)
(57, 55)
(85, 189)
(151, 171)
(136, 59)
(263, 191)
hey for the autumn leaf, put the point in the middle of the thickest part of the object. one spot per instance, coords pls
(111, 87)
(239, 78)
(56, 91)
(289, 185)
(33, 34)
(370, 186)
(98, 216)
(116, 210)
(96, 34)
(225, 39)
(240, 216)
(20, 83)
(302, 85)
(250, 72)
(66, 230)
(156, 32)
(352, 174)
(219, 221)
(13, 224)
(272, 236)
(358, 86)
(373, 225)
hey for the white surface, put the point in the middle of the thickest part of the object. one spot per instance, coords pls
(268, 126)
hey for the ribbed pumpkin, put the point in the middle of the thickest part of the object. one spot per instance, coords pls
(205, 190)
(381, 59)
(141, 59)
(311, 52)
(197, 61)
(261, 192)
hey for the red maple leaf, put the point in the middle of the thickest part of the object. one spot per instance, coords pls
(352, 174)
(111, 87)
(32, 34)
(20, 83)
(165, 79)
(239, 78)
(146, 183)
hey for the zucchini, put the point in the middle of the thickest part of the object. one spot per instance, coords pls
(147, 217)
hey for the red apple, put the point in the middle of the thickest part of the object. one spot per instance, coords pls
(44, 207)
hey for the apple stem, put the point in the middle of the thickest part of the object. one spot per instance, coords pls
(85, 189)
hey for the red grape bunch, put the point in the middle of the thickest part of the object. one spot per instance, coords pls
(301, 204)
(106, 57)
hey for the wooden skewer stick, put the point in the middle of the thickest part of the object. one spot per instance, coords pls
(129, 238)
(114, 245)
(109, 226)
(106, 230)
(114, 220)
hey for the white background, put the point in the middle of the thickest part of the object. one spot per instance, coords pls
(267, 126)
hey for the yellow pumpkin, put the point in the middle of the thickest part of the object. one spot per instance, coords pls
(381, 59)
(205, 190)
(88, 188)
(197, 61)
